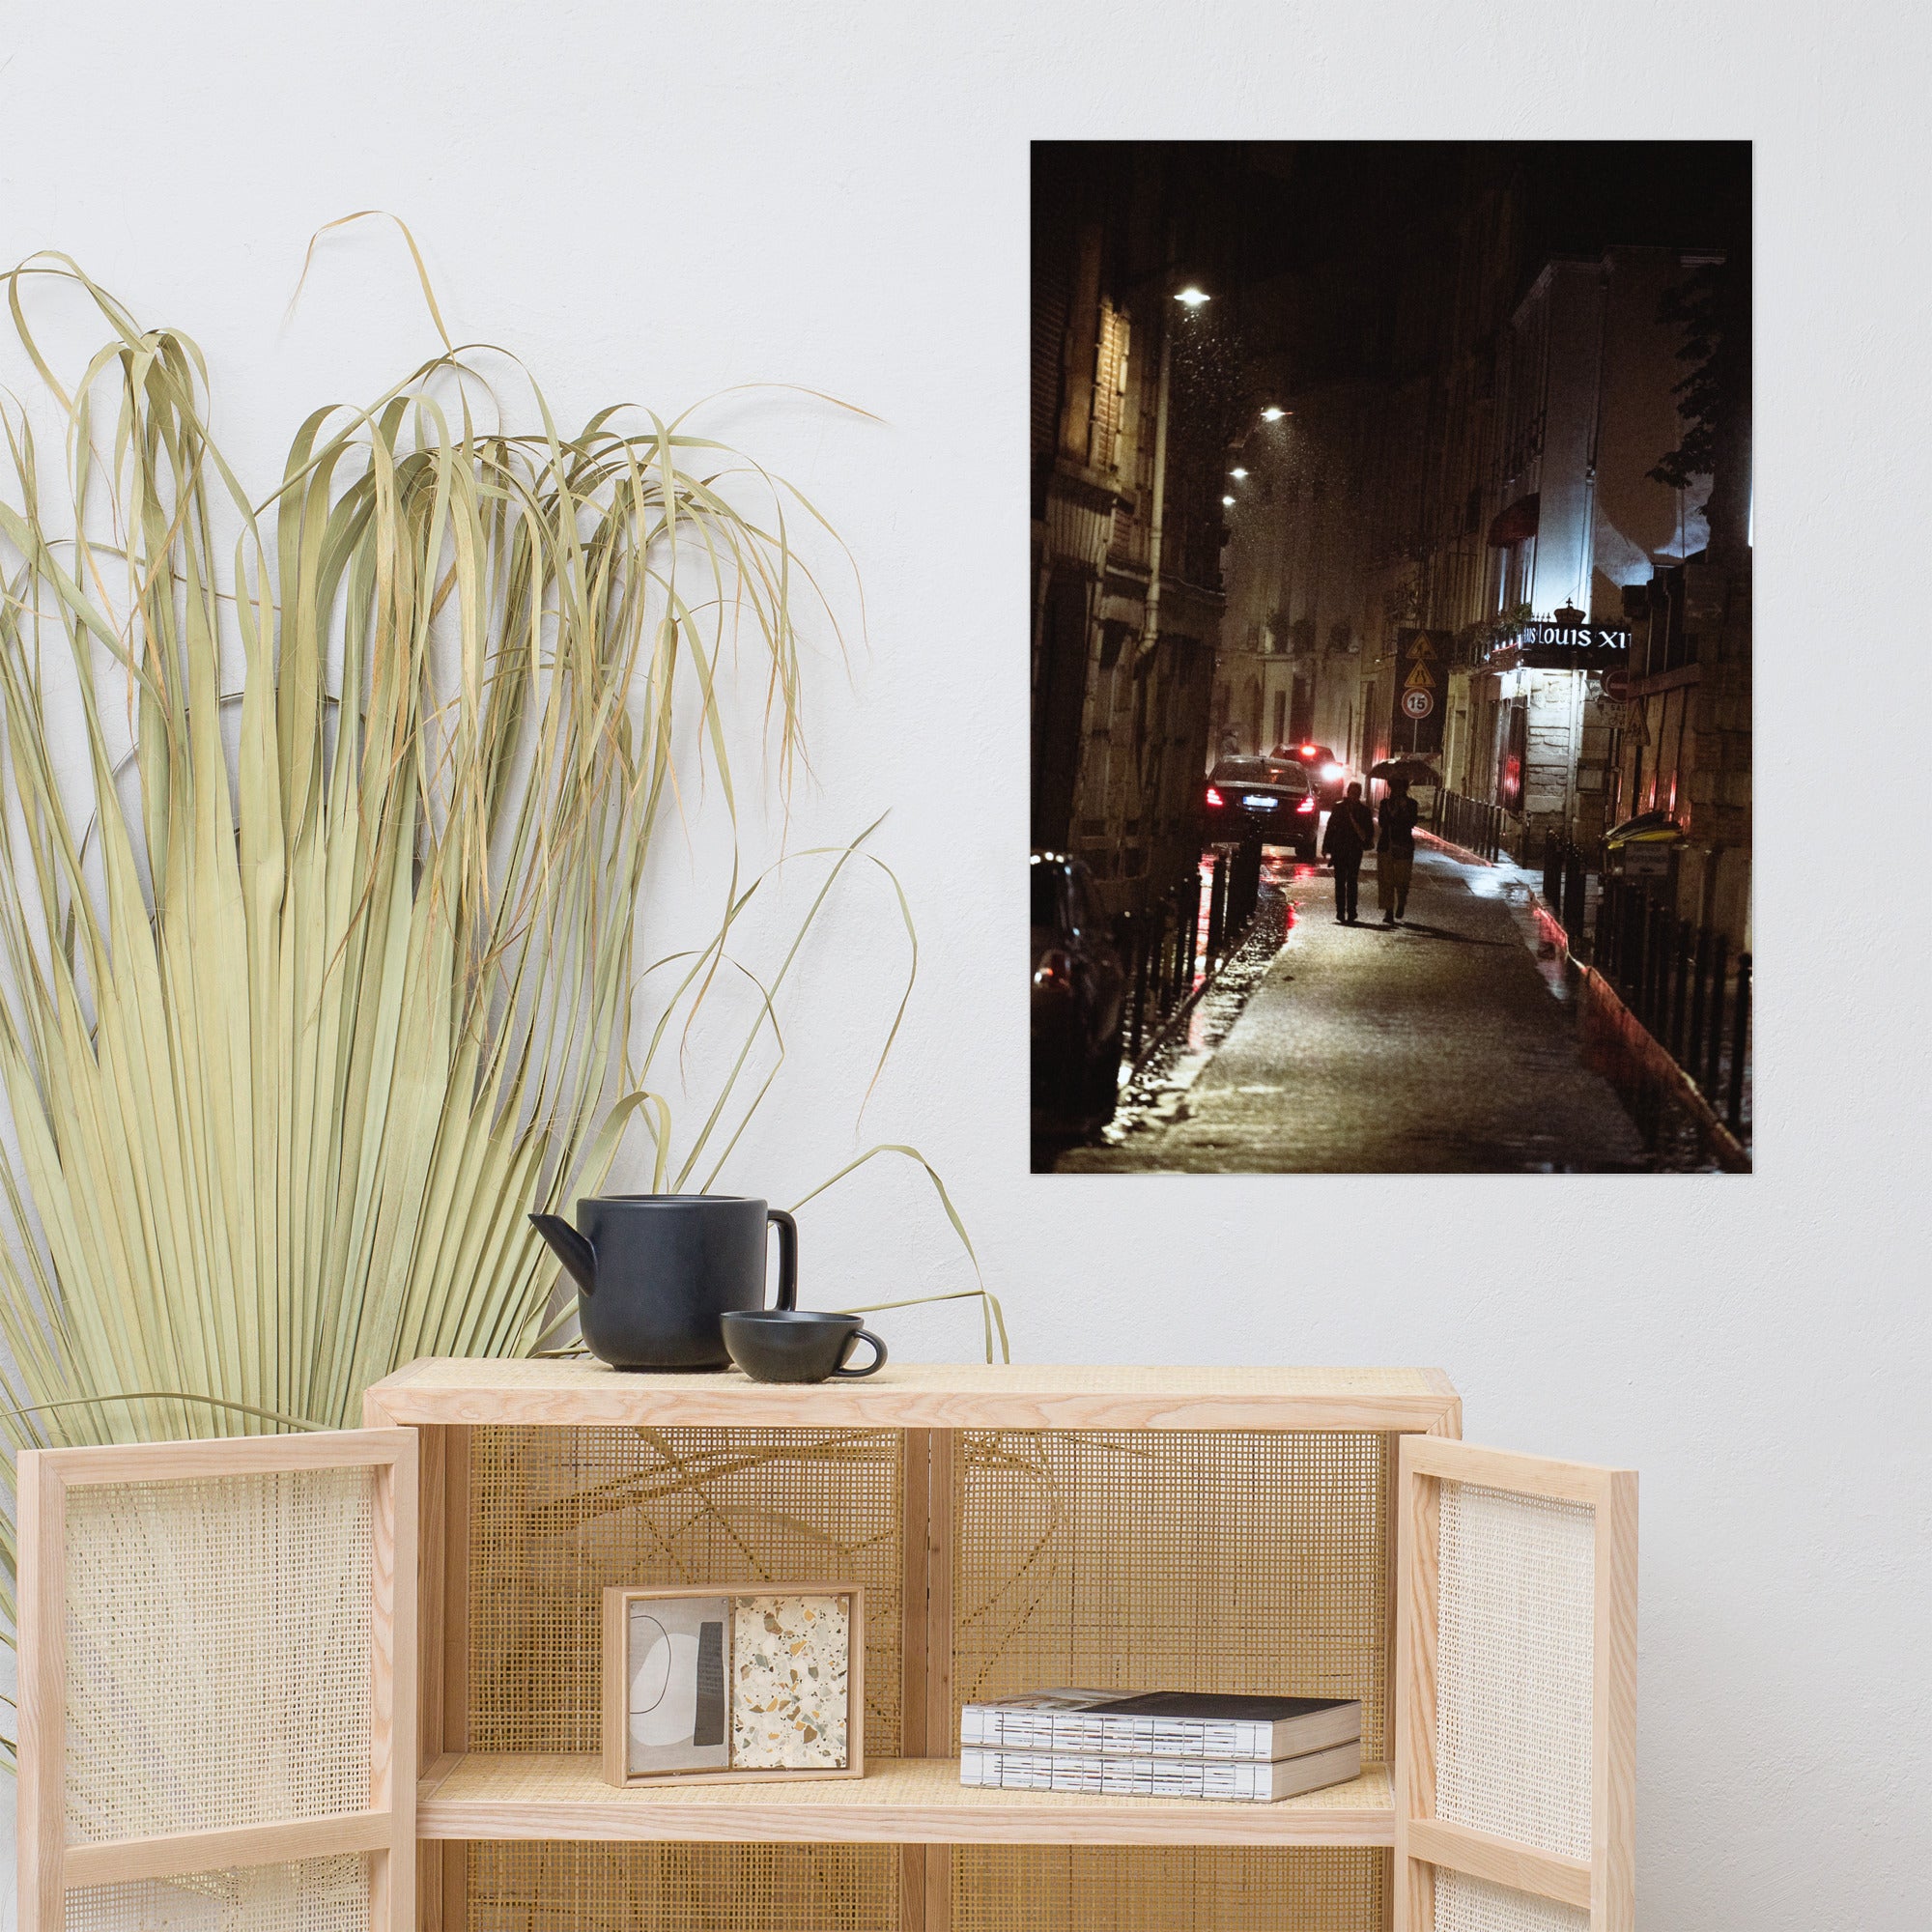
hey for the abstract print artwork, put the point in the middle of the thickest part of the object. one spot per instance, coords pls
(677, 1685)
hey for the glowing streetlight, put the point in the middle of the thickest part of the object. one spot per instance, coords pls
(1228, 501)
(1240, 475)
(1192, 297)
(1271, 415)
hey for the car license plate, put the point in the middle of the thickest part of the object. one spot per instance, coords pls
(1255, 802)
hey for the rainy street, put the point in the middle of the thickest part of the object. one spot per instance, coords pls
(1441, 1044)
(1424, 535)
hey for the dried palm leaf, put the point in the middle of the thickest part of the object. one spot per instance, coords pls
(293, 1034)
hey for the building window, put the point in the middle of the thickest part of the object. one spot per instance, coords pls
(1110, 388)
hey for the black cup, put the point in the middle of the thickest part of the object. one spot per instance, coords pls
(791, 1344)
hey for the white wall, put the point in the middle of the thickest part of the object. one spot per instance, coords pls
(655, 203)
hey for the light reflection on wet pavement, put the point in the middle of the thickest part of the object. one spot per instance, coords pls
(1446, 1044)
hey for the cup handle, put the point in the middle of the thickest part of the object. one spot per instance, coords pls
(872, 1366)
(787, 1256)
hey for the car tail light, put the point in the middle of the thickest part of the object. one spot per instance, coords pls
(1055, 969)
(1215, 797)
(1308, 751)
(1306, 805)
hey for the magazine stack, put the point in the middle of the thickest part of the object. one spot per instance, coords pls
(1161, 1743)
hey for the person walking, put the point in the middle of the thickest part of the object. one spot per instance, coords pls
(1350, 827)
(1395, 850)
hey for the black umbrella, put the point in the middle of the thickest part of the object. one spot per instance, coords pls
(1416, 771)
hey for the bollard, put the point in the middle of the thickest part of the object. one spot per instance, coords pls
(1741, 1000)
(1714, 1044)
(1138, 936)
(1700, 993)
(1667, 1005)
(1681, 956)
(1655, 962)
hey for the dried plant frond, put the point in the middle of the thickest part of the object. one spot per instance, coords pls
(319, 975)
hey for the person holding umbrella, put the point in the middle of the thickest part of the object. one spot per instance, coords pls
(1395, 848)
(1350, 827)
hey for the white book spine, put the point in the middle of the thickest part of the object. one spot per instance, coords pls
(1094, 1774)
(1116, 1776)
(1012, 1728)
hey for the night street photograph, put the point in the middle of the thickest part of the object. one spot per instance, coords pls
(1391, 657)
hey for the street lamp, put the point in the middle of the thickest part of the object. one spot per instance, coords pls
(1228, 501)
(1271, 415)
(1191, 298)
(1240, 475)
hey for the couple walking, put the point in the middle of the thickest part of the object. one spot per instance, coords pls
(1350, 830)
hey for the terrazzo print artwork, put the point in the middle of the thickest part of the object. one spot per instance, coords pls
(790, 1657)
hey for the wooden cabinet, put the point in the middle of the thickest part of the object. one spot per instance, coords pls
(1314, 1530)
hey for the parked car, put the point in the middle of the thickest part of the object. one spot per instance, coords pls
(1326, 773)
(1271, 796)
(1079, 997)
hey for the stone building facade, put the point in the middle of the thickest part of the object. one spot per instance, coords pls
(1120, 708)
(1469, 450)
(1586, 378)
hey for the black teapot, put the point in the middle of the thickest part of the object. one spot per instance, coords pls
(656, 1272)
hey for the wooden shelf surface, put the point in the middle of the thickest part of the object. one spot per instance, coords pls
(898, 1802)
(580, 1391)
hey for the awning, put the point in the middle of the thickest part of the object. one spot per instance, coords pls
(1514, 524)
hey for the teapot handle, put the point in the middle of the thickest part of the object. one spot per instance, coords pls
(787, 1256)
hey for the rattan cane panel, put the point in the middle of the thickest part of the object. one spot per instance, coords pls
(217, 1651)
(1236, 1561)
(1465, 1904)
(1108, 1889)
(312, 1896)
(558, 1513)
(533, 1885)
(1514, 1667)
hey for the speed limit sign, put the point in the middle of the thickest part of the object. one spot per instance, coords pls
(1417, 703)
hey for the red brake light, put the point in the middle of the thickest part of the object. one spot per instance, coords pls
(1306, 805)
(1055, 969)
(1215, 797)
(1308, 751)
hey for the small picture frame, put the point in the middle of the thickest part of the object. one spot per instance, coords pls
(748, 1683)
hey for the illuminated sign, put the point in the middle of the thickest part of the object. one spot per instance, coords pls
(1594, 639)
(1546, 646)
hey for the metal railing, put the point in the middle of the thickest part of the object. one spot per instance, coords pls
(1476, 827)
(1163, 947)
(1677, 979)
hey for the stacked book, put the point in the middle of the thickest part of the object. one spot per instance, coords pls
(1164, 1744)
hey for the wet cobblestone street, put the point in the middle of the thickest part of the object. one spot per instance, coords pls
(1439, 1045)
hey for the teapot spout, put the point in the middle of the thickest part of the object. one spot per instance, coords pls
(569, 1249)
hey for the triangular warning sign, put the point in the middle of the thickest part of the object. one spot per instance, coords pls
(1422, 647)
(1419, 679)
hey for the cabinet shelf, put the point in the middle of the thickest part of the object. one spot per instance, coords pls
(898, 1802)
(919, 1395)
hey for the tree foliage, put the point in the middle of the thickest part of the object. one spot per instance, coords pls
(1705, 305)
